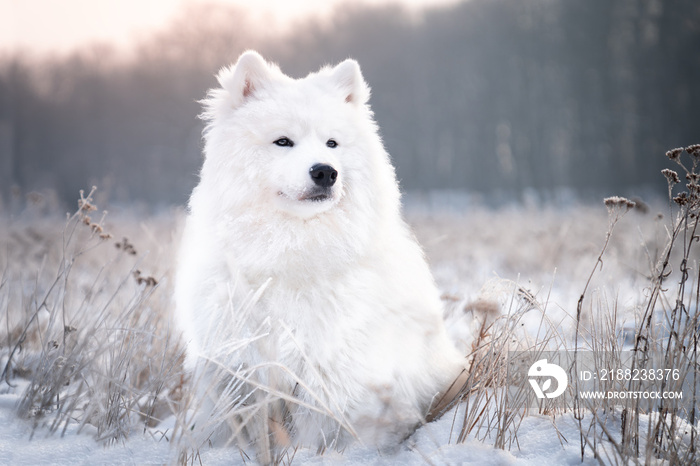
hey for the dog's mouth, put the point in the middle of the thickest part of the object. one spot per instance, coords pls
(316, 197)
(313, 195)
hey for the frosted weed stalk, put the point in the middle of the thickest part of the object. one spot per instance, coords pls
(666, 337)
(493, 400)
(92, 338)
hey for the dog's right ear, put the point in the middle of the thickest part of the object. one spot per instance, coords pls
(247, 76)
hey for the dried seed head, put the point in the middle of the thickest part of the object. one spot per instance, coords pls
(140, 279)
(484, 308)
(85, 202)
(84, 205)
(693, 150)
(126, 247)
(694, 190)
(681, 199)
(671, 176)
(674, 154)
(618, 206)
(617, 201)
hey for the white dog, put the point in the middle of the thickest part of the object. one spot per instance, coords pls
(298, 279)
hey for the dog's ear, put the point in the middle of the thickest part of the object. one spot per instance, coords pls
(348, 78)
(248, 75)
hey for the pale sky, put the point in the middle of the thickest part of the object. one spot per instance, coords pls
(65, 25)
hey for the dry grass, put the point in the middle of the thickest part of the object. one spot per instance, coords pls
(666, 332)
(85, 319)
(86, 326)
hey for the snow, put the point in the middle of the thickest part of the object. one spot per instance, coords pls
(433, 443)
(18, 446)
(549, 253)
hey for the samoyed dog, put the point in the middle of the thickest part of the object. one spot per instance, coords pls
(307, 306)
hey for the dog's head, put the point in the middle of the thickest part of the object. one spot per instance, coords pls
(298, 145)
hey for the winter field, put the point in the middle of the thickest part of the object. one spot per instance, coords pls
(92, 368)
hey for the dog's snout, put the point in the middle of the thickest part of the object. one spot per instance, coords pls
(323, 175)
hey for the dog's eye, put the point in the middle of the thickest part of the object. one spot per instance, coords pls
(284, 142)
(332, 143)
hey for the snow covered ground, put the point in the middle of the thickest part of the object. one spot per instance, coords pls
(550, 253)
(539, 443)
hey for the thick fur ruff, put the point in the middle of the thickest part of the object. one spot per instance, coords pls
(309, 311)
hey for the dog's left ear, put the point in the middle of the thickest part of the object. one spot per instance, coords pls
(349, 80)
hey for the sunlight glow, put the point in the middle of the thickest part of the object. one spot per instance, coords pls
(64, 25)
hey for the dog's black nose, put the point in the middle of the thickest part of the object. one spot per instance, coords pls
(323, 175)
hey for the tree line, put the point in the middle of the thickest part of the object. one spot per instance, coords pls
(498, 97)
